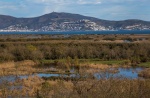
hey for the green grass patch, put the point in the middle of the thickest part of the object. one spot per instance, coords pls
(89, 61)
(100, 61)
(47, 61)
(52, 61)
(146, 64)
(112, 62)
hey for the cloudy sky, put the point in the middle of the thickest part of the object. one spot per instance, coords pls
(103, 9)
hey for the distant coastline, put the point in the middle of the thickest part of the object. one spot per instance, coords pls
(83, 32)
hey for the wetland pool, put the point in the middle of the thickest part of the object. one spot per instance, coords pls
(129, 73)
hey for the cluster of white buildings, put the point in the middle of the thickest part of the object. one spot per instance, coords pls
(73, 26)
(137, 26)
(15, 28)
(81, 25)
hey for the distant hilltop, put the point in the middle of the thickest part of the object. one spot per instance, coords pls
(67, 22)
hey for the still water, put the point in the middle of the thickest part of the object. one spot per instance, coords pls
(83, 32)
(130, 73)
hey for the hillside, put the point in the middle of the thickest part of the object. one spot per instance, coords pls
(68, 22)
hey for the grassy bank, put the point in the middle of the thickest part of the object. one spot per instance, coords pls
(146, 64)
(89, 61)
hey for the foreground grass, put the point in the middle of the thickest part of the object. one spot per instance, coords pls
(35, 87)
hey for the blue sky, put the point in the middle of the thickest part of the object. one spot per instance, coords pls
(103, 9)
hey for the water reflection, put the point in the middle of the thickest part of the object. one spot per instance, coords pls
(130, 73)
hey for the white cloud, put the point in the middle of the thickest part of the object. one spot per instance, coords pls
(89, 2)
(6, 5)
(65, 2)
(123, 1)
(61, 5)
(105, 9)
(48, 2)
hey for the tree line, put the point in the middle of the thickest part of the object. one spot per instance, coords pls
(135, 52)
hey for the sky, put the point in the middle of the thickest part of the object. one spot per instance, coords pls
(103, 9)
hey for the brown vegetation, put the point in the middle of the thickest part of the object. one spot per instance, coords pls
(104, 88)
(145, 73)
(17, 68)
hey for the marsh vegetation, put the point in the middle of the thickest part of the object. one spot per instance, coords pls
(77, 66)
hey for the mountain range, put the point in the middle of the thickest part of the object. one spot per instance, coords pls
(68, 22)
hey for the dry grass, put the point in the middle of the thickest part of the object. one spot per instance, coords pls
(19, 63)
(33, 85)
(36, 87)
(7, 65)
(26, 63)
(29, 67)
(99, 66)
(17, 68)
(145, 73)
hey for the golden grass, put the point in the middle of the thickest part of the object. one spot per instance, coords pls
(29, 85)
(17, 68)
(34, 85)
(7, 65)
(26, 63)
(89, 88)
(19, 63)
(99, 66)
(145, 73)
